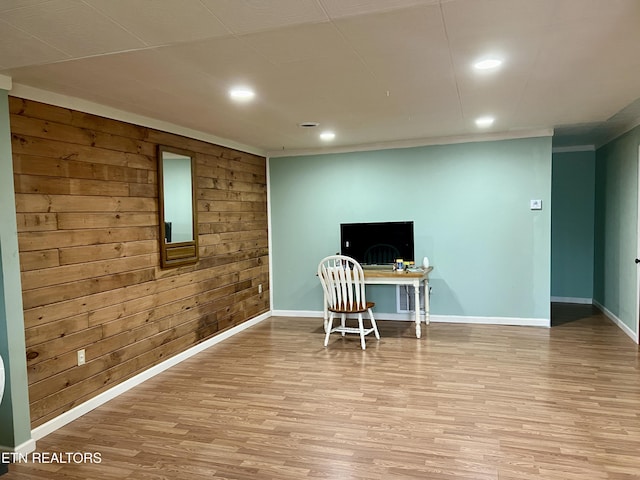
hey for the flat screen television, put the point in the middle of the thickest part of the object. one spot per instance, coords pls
(377, 243)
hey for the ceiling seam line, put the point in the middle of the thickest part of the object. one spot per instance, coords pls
(453, 70)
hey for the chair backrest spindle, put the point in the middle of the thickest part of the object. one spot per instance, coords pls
(342, 280)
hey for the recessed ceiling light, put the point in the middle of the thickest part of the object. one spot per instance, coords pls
(487, 64)
(308, 124)
(242, 94)
(327, 136)
(484, 122)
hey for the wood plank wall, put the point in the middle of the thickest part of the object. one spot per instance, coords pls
(87, 211)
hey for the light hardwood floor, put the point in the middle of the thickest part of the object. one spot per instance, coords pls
(463, 402)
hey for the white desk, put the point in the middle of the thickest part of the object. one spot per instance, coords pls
(415, 279)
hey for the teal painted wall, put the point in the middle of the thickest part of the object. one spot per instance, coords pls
(615, 271)
(470, 205)
(14, 410)
(572, 224)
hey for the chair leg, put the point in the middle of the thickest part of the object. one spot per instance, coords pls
(328, 329)
(343, 322)
(373, 324)
(361, 325)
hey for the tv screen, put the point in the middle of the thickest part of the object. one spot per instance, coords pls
(378, 243)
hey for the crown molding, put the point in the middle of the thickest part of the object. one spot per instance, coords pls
(626, 128)
(574, 148)
(419, 142)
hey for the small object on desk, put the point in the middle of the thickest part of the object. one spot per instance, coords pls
(399, 264)
(425, 262)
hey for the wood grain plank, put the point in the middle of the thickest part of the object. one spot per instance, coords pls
(54, 149)
(83, 288)
(89, 253)
(39, 259)
(80, 221)
(78, 203)
(36, 222)
(69, 133)
(77, 272)
(56, 167)
(31, 241)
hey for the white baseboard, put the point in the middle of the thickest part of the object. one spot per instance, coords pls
(623, 326)
(514, 321)
(583, 301)
(408, 317)
(298, 313)
(318, 314)
(76, 412)
(22, 449)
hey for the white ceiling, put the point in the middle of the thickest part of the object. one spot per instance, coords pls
(374, 71)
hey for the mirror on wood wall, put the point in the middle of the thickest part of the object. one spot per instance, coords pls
(177, 205)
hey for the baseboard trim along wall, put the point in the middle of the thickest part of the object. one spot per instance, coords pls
(513, 321)
(299, 313)
(408, 317)
(580, 300)
(76, 412)
(623, 326)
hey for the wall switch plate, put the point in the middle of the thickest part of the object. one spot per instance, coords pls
(81, 357)
(536, 204)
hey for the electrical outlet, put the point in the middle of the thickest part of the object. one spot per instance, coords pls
(536, 205)
(260, 288)
(81, 357)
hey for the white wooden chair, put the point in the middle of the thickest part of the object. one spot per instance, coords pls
(342, 281)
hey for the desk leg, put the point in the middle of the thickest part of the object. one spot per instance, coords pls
(416, 290)
(426, 303)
